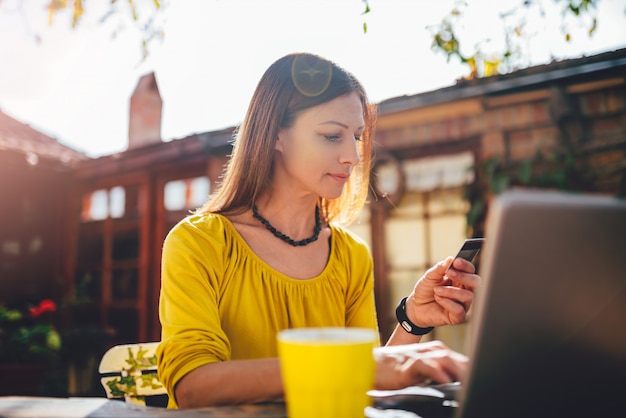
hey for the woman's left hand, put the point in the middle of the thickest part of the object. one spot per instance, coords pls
(405, 365)
(443, 298)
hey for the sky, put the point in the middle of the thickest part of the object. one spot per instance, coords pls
(75, 84)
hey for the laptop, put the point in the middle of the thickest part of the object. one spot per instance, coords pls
(547, 332)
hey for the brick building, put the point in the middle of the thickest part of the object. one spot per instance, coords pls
(36, 176)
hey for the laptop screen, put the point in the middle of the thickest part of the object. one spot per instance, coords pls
(547, 333)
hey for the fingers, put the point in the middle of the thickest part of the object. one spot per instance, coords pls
(453, 363)
(455, 310)
(461, 274)
(456, 298)
(443, 297)
(436, 272)
(463, 279)
(409, 349)
(415, 364)
(439, 366)
(461, 264)
(462, 296)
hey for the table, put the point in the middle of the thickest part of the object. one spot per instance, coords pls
(48, 407)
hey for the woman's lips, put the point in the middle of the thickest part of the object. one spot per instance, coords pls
(340, 177)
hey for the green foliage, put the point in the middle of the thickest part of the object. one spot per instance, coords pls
(121, 386)
(127, 385)
(29, 335)
(144, 17)
(366, 11)
(514, 31)
(546, 169)
(578, 7)
(141, 361)
(147, 15)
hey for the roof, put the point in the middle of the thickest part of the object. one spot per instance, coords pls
(604, 65)
(20, 137)
(193, 147)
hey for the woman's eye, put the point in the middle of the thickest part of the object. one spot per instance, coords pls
(335, 138)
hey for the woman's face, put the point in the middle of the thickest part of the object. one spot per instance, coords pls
(317, 153)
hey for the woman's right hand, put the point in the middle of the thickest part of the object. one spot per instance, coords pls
(400, 366)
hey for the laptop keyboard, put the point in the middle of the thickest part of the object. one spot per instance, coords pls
(432, 401)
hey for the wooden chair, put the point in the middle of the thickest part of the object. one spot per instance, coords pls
(129, 371)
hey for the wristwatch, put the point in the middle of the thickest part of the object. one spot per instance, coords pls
(405, 323)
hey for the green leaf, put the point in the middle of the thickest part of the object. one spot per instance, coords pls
(499, 183)
(525, 172)
(475, 212)
(53, 340)
(367, 8)
(114, 388)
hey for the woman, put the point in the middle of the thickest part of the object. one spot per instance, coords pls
(268, 252)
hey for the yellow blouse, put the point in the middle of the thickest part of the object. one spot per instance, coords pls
(219, 301)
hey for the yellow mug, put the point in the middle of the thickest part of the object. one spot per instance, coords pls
(327, 372)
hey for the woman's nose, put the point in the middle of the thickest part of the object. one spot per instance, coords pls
(350, 153)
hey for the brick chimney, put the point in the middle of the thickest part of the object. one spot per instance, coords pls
(144, 125)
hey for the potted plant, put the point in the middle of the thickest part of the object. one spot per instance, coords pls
(29, 346)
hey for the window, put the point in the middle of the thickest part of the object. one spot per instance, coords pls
(186, 194)
(117, 197)
(442, 172)
(104, 203)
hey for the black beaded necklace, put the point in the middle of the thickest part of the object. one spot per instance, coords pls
(288, 240)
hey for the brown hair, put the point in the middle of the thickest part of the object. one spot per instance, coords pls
(276, 102)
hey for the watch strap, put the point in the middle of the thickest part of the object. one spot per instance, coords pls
(405, 323)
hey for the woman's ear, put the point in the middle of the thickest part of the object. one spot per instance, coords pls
(278, 144)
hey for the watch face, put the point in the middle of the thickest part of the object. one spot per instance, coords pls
(406, 326)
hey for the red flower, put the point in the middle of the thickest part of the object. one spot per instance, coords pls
(45, 305)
